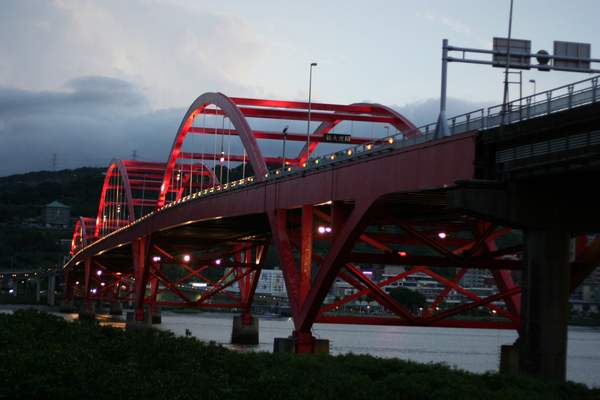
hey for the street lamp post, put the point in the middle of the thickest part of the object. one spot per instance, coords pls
(508, 57)
(284, 136)
(533, 81)
(308, 127)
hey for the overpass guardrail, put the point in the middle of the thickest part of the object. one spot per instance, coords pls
(562, 98)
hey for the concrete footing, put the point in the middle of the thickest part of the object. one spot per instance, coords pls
(116, 309)
(88, 314)
(67, 307)
(244, 333)
(156, 316)
(509, 359)
(132, 325)
(289, 345)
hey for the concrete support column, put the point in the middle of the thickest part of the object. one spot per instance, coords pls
(51, 290)
(301, 343)
(116, 308)
(544, 309)
(138, 320)
(88, 312)
(244, 333)
(38, 291)
(156, 313)
(68, 306)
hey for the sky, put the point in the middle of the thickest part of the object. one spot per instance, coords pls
(85, 81)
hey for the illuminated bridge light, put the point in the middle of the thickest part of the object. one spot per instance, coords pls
(369, 146)
(391, 141)
(332, 157)
(349, 152)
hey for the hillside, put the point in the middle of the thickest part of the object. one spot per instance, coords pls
(22, 196)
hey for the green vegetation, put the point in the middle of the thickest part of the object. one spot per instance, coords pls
(43, 356)
(409, 299)
(23, 246)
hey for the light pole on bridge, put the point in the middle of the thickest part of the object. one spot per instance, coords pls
(308, 127)
(533, 81)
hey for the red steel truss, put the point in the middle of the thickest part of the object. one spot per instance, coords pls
(179, 233)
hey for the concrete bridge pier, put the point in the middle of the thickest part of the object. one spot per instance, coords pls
(545, 299)
(116, 308)
(134, 323)
(51, 289)
(68, 306)
(245, 329)
(301, 343)
(546, 219)
(87, 312)
(38, 291)
(155, 315)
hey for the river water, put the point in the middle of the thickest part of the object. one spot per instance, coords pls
(474, 350)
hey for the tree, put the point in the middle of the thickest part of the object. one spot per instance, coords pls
(409, 299)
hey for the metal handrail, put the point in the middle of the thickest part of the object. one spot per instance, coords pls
(565, 97)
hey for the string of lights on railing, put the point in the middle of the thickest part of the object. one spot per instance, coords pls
(553, 100)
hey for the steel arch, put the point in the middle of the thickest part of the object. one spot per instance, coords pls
(400, 122)
(116, 164)
(232, 111)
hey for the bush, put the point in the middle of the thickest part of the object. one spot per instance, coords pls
(43, 356)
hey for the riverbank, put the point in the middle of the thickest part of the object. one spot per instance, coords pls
(45, 356)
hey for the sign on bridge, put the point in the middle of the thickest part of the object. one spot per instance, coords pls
(336, 138)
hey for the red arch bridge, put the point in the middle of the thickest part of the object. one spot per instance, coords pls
(358, 190)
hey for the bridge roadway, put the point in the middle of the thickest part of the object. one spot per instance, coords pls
(13, 277)
(408, 200)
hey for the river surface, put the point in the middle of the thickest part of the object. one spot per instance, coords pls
(474, 350)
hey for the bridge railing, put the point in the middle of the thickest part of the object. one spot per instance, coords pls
(19, 272)
(543, 103)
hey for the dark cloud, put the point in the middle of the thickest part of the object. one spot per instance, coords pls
(95, 119)
(80, 97)
(103, 91)
(82, 94)
(92, 121)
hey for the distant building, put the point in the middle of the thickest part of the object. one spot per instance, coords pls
(56, 215)
(271, 282)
